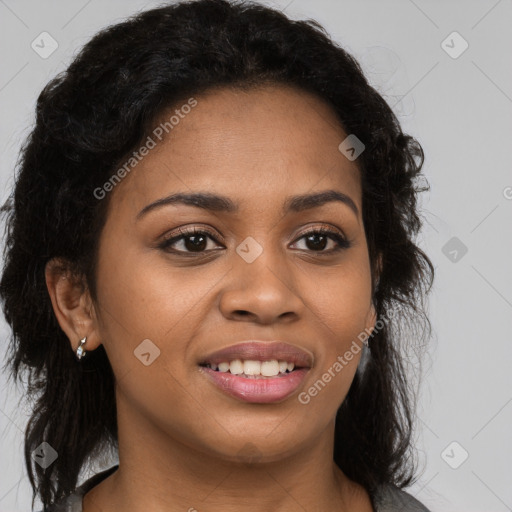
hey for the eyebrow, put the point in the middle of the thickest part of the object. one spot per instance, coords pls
(217, 203)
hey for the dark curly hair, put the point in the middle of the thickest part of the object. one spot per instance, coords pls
(98, 111)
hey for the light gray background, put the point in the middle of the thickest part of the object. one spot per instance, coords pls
(460, 110)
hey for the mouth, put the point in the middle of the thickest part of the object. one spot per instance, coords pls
(258, 372)
(253, 369)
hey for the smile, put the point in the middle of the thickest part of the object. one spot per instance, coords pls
(254, 369)
(258, 372)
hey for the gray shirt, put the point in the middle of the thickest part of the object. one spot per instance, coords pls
(388, 498)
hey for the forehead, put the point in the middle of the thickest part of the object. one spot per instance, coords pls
(253, 145)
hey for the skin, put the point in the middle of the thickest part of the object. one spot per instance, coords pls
(183, 444)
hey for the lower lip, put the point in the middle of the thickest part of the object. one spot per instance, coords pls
(263, 391)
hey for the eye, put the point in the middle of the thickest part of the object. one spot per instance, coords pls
(317, 239)
(193, 240)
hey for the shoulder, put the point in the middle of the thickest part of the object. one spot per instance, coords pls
(73, 502)
(390, 498)
(70, 503)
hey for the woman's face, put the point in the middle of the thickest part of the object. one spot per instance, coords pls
(163, 308)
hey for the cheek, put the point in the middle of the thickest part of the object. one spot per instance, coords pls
(144, 298)
(339, 323)
(147, 297)
(149, 300)
(338, 299)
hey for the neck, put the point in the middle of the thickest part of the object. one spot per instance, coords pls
(159, 473)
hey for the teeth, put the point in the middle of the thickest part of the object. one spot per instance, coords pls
(253, 368)
(269, 368)
(223, 367)
(236, 367)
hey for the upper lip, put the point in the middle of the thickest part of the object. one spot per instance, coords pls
(261, 351)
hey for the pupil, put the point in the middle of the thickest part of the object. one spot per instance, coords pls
(314, 237)
(197, 245)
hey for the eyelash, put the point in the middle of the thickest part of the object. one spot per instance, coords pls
(342, 243)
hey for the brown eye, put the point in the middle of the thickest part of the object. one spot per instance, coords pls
(317, 240)
(192, 241)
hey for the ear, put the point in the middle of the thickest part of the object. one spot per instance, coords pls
(371, 318)
(72, 304)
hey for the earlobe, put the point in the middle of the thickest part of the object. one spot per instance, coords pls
(71, 304)
(372, 318)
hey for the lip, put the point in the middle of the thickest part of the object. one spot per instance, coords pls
(261, 351)
(259, 390)
(262, 391)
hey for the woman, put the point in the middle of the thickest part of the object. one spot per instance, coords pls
(210, 233)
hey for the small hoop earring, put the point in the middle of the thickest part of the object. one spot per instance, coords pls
(80, 352)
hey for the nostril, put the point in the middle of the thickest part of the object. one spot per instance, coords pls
(241, 312)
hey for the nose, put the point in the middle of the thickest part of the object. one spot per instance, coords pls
(262, 292)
